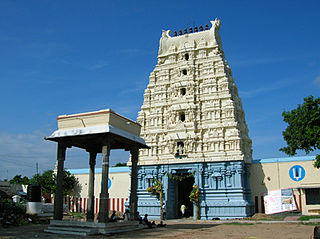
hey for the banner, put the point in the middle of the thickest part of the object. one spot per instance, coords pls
(279, 201)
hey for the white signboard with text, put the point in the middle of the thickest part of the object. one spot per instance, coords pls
(279, 201)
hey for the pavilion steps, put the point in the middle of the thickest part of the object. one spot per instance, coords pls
(80, 228)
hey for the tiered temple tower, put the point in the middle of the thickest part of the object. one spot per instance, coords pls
(193, 121)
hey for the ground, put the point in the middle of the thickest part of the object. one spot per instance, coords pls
(184, 229)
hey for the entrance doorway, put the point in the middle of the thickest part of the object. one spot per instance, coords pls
(183, 190)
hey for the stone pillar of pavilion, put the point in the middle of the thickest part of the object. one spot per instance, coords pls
(58, 197)
(134, 151)
(104, 195)
(90, 204)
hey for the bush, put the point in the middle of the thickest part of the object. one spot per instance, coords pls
(14, 210)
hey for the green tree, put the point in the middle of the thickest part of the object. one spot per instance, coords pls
(120, 165)
(303, 131)
(18, 179)
(48, 182)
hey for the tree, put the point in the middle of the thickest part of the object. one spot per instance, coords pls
(155, 189)
(120, 165)
(303, 131)
(18, 179)
(48, 182)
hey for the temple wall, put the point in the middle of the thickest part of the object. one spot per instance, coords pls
(224, 189)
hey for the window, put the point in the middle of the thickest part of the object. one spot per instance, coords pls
(182, 117)
(186, 56)
(180, 148)
(184, 72)
(312, 196)
(183, 91)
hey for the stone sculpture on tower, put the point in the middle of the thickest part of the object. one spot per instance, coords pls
(193, 121)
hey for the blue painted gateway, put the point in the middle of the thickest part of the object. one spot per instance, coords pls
(223, 186)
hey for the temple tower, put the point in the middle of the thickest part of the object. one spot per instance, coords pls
(193, 121)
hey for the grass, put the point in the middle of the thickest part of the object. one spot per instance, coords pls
(78, 215)
(311, 224)
(307, 218)
(240, 224)
(267, 218)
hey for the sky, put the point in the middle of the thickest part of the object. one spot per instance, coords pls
(65, 57)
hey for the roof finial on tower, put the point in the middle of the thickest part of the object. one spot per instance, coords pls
(207, 27)
(196, 29)
(180, 32)
(175, 33)
(185, 31)
(201, 28)
(190, 30)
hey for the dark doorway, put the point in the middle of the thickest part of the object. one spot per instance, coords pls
(184, 189)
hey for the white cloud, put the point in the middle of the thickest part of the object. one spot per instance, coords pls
(269, 88)
(317, 81)
(19, 154)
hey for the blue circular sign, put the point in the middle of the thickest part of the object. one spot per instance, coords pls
(297, 173)
(109, 183)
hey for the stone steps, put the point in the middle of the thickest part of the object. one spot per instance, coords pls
(64, 232)
(80, 228)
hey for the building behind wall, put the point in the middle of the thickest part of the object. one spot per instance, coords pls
(193, 121)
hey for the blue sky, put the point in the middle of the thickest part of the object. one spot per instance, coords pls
(64, 57)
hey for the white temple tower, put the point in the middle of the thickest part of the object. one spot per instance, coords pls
(193, 121)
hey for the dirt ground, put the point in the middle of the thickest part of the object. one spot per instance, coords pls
(183, 229)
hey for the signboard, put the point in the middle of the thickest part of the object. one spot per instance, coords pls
(297, 173)
(109, 183)
(279, 201)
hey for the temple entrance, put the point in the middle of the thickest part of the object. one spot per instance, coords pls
(183, 190)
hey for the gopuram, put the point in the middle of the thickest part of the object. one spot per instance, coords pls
(193, 121)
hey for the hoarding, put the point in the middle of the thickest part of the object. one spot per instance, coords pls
(279, 201)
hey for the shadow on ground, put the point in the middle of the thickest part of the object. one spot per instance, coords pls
(164, 232)
(36, 231)
(189, 226)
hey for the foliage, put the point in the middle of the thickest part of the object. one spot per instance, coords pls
(120, 165)
(10, 209)
(307, 218)
(8, 206)
(69, 183)
(48, 182)
(194, 198)
(155, 189)
(303, 131)
(18, 179)
(78, 215)
(194, 195)
(240, 223)
(181, 177)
